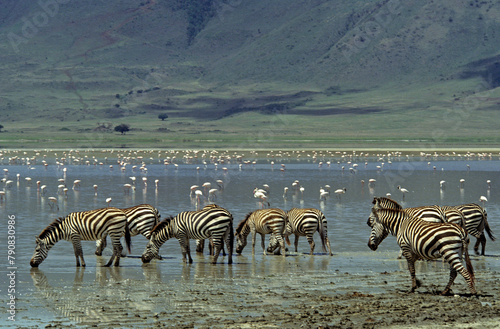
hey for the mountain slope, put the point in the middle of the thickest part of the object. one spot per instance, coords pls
(111, 60)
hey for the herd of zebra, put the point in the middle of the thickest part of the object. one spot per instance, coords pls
(422, 233)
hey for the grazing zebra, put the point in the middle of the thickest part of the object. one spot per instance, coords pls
(210, 222)
(423, 240)
(476, 222)
(263, 221)
(304, 222)
(87, 226)
(140, 219)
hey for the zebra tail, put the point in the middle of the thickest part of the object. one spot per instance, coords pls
(128, 240)
(468, 263)
(487, 228)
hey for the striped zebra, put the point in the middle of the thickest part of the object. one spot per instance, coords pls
(263, 221)
(87, 226)
(211, 221)
(423, 240)
(476, 222)
(304, 222)
(428, 213)
(140, 219)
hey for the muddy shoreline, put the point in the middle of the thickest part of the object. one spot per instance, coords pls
(262, 292)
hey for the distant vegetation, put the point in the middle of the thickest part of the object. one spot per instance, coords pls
(198, 14)
(122, 128)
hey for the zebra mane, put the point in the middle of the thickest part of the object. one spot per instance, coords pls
(52, 226)
(210, 206)
(242, 223)
(383, 202)
(162, 224)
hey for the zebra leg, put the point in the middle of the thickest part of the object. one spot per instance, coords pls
(100, 246)
(117, 251)
(411, 267)
(217, 241)
(263, 242)
(186, 254)
(453, 275)
(77, 247)
(311, 243)
(200, 245)
(254, 236)
(296, 243)
(229, 238)
(481, 240)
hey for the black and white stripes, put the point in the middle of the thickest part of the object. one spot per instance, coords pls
(84, 226)
(419, 239)
(211, 222)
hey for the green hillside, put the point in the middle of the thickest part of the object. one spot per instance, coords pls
(232, 73)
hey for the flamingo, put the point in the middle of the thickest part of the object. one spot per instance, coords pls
(193, 189)
(212, 194)
(462, 181)
(483, 199)
(340, 191)
(488, 182)
(53, 202)
(403, 190)
(108, 201)
(95, 189)
(442, 184)
(127, 188)
(76, 184)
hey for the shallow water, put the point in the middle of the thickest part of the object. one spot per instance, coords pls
(353, 265)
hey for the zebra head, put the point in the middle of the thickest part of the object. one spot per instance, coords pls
(379, 231)
(273, 244)
(241, 242)
(41, 251)
(152, 250)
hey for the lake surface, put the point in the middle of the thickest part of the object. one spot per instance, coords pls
(346, 214)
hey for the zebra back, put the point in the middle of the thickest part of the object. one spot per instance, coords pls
(476, 219)
(89, 225)
(142, 219)
(264, 221)
(428, 213)
(306, 221)
(199, 224)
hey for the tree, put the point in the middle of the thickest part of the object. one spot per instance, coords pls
(162, 116)
(123, 128)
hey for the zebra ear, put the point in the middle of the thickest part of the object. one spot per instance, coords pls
(374, 200)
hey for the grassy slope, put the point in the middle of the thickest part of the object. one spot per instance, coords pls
(65, 79)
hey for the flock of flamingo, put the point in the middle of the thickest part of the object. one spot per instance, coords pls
(139, 159)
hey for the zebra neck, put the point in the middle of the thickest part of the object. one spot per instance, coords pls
(393, 225)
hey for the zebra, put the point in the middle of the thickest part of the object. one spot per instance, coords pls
(262, 221)
(304, 222)
(211, 221)
(476, 222)
(140, 219)
(423, 240)
(86, 226)
(433, 213)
